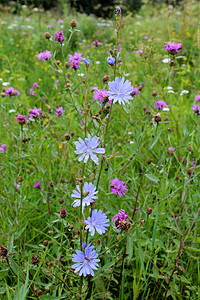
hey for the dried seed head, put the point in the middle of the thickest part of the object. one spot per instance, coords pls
(124, 225)
(149, 160)
(172, 63)
(166, 119)
(47, 35)
(3, 94)
(3, 251)
(58, 62)
(62, 180)
(61, 200)
(67, 137)
(157, 117)
(154, 93)
(20, 179)
(45, 243)
(189, 148)
(189, 171)
(105, 78)
(67, 65)
(34, 260)
(73, 23)
(149, 210)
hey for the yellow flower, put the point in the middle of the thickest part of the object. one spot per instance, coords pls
(60, 146)
(39, 79)
(53, 77)
(68, 114)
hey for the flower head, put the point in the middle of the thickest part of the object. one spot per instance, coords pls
(32, 92)
(120, 220)
(86, 61)
(21, 119)
(88, 149)
(75, 60)
(111, 60)
(100, 95)
(135, 91)
(45, 55)
(37, 185)
(35, 85)
(85, 261)
(160, 104)
(139, 51)
(119, 91)
(117, 187)
(33, 113)
(59, 36)
(173, 47)
(196, 109)
(59, 111)
(89, 195)
(60, 21)
(3, 148)
(197, 98)
(12, 92)
(98, 221)
(170, 150)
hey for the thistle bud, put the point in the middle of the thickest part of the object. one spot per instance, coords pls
(47, 35)
(73, 23)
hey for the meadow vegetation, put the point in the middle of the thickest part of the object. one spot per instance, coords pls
(111, 108)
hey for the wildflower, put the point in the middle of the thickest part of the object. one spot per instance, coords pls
(170, 150)
(21, 119)
(60, 21)
(73, 23)
(89, 195)
(2, 148)
(96, 43)
(17, 186)
(184, 92)
(120, 91)
(49, 26)
(98, 221)
(59, 36)
(111, 60)
(166, 60)
(35, 85)
(63, 213)
(197, 98)
(85, 261)
(12, 92)
(32, 92)
(47, 35)
(100, 95)
(120, 220)
(160, 104)
(86, 61)
(196, 109)
(33, 113)
(37, 185)
(139, 51)
(146, 37)
(59, 111)
(172, 47)
(57, 81)
(135, 91)
(117, 187)
(75, 60)
(45, 55)
(87, 148)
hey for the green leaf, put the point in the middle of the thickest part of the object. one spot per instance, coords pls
(152, 177)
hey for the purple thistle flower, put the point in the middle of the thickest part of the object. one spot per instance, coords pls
(117, 187)
(60, 21)
(75, 60)
(98, 221)
(88, 149)
(3, 148)
(17, 186)
(45, 55)
(59, 36)
(111, 60)
(49, 26)
(32, 92)
(34, 113)
(121, 216)
(35, 85)
(139, 51)
(119, 91)
(146, 37)
(135, 91)
(85, 261)
(173, 47)
(160, 104)
(59, 111)
(196, 109)
(170, 150)
(12, 92)
(21, 119)
(89, 195)
(96, 43)
(197, 98)
(99, 95)
(37, 185)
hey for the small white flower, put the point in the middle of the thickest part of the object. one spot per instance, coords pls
(166, 60)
